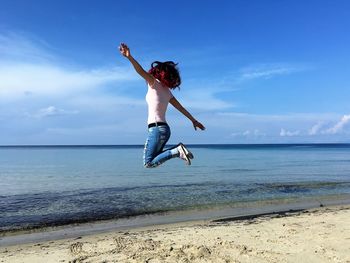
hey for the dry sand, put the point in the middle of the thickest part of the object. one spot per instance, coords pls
(318, 235)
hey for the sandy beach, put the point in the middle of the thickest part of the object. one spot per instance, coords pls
(314, 235)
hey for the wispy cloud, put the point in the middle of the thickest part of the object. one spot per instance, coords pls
(284, 133)
(19, 79)
(315, 129)
(236, 80)
(52, 111)
(268, 128)
(35, 79)
(339, 126)
(293, 125)
(39, 91)
(325, 127)
(267, 71)
(22, 47)
(203, 99)
(249, 133)
(29, 67)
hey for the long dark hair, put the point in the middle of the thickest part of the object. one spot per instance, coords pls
(167, 73)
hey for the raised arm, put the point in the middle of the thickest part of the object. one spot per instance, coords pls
(125, 51)
(196, 124)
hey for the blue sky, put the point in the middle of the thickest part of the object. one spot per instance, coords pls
(252, 71)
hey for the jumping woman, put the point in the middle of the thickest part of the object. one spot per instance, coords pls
(161, 78)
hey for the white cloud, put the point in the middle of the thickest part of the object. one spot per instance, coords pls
(18, 79)
(105, 102)
(202, 100)
(254, 132)
(267, 71)
(338, 127)
(29, 67)
(316, 128)
(34, 77)
(284, 133)
(52, 111)
(249, 133)
(246, 133)
(203, 95)
(21, 47)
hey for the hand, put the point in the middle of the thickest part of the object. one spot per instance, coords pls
(124, 50)
(197, 124)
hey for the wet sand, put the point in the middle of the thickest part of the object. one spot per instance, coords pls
(314, 235)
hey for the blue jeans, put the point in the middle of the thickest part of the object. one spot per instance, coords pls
(153, 154)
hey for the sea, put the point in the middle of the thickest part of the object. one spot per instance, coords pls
(60, 185)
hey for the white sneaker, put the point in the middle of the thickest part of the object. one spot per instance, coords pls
(187, 152)
(184, 153)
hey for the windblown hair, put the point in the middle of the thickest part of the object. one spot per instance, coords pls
(167, 73)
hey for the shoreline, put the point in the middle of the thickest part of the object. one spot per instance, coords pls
(218, 214)
(310, 235)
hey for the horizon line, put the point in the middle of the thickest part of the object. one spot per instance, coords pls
(196, 144)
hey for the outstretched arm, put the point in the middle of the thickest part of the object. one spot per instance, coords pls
(196, 124)
(125, 51)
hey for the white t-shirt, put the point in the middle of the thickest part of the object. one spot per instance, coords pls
(157, 98)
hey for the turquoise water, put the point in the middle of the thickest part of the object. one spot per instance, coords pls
(60, 185)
